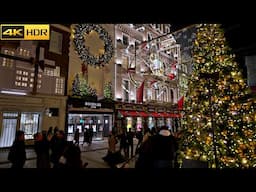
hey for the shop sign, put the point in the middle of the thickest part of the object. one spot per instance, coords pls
(92, 105)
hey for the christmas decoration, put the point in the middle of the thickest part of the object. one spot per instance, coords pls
(108, 91)
(82, 48)
(219, 115)
(80, 87)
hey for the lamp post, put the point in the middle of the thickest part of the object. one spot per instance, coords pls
(212, 78)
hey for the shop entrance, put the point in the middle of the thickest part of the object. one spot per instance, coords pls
(100, 123)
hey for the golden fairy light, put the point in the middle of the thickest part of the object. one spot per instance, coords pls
(244, 161)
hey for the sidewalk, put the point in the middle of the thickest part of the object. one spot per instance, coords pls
(92, 154)
(30, 152)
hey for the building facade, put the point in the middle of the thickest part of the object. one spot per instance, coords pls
(91, 70)
(122, 76)
(32, 94)
(147, 75)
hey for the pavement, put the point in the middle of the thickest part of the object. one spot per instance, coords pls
(92, 154)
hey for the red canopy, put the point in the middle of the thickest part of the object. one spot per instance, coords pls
(151, 114)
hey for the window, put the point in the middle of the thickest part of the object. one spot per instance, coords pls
(56, 42)
(171, 93)
(59, 89)
(24, 52)
(125, 63)
(126, 90)
(49, 71)
(8, 129)
(125, 40)
(165, 95)
(149, 36)
(8, 62)
(149, 94)
(29, 123)
(156, 94)
(167, 29)
(22, 79)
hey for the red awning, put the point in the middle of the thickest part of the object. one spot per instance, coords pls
(155, 114)
(152, 114)
(143, 114)
(174, 115)
(129, 113)
(132, 113)
(164, 114)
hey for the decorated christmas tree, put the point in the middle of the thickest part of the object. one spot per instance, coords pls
(108, 91)
(81, 88)
(219, 120)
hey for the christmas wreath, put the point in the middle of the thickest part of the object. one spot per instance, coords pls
(83, 52)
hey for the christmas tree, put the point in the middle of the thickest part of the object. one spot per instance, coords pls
(219, 120)
(108, 91)
(81, 88)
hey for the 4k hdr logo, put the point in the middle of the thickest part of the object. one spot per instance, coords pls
(25, 32)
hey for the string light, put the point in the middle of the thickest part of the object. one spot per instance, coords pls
(234, 119)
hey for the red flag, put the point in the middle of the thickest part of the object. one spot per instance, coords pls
(180, 103)
(140, 93)
(171, 76)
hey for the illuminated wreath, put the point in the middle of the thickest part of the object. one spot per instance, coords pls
(83, 52)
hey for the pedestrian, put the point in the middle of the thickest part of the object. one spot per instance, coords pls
(17, 153)
(50, 133)
(139, 137)
(76, 137)
(144, 151)
(71, 157)
(42, 147)
(90, 135)
(130, 136)
(123, 143)
(163, 148)
(58, 146)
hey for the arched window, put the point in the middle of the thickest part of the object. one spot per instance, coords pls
(165, 97)
(171, 95)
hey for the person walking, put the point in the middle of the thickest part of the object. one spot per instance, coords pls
(17, 153)
(130, 136)
(163, 147)
(76, 137)
(42, 147)
(58, 146)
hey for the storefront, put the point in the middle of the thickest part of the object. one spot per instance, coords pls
(30, 114)
(85, 115)
(138, 120)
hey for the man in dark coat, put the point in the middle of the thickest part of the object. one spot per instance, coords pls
(163, 148)
(58, 146)
(17, 154)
